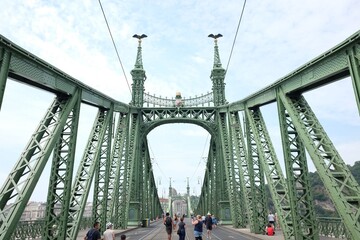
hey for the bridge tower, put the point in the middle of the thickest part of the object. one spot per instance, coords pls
(138, 77)
(218, 75)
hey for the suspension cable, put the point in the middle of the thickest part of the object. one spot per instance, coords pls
(117, 53)
(237, 30)
(207, 137)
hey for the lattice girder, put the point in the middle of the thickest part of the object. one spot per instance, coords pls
(336, 176)
(4, 69)
(26, 172)
(152, 118)
(59, 191)
(227, 158)
(85, 173)
(117, 181)
(102, 173)
(354, 68)
(240, 168)
(301, 199)
(272, 171)
(257, 198)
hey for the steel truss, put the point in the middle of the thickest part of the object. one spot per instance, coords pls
(118, 176)
(240, 170)
(26, 173)
(272, 171)
(59, 192)
(89, 166)
(301, 199)
(4, 69)
(257, 198)
(336, 176)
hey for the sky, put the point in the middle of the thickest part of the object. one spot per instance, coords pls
(274, 38)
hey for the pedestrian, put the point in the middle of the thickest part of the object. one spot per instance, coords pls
(168, 225)
(198, 227)
(123, 237)
(269, 230)
(208, 224)
(93, 234)
(175, 221)
(214, 221)
(181, 231)
(109, 233)
(271, 218)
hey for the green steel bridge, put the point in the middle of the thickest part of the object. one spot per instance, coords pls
(241, 157)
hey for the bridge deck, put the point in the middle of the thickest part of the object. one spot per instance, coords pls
(156, 230)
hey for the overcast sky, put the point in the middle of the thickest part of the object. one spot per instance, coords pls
(275, 37)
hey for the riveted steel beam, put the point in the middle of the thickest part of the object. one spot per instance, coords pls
(336, 176)
(26, 172)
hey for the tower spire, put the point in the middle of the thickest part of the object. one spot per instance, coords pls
(138, 76)
(138, 62)
(218, 75)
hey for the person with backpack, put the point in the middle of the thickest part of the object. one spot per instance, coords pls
(94, 233)
(168, 222)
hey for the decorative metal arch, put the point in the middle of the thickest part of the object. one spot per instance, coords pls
(203, 117)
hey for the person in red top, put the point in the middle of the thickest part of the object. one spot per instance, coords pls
(269, 230)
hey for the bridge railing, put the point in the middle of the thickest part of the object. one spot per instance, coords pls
(34, 229)
(154, 101)
(332, 227)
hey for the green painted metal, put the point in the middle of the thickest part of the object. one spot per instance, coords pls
(23, 178)
(139, 77)
(57, 208)
(121, 177)
(86, 171)
(257, 199)
(133, 156)
(27, 68)
(332, 228)
(330, 66)
(354, 68)
(125, 191)
(240, 169)
(4, 69)
(230, 178)
(273, 174)
(301, 200)
(337, 178)
(102, 173)
(118, 178)
(217, 77)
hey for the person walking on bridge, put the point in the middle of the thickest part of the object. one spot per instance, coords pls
(93, 234)
(168, 222)
(198, 227)
(208, 224)
(109, 233)
(181, 231)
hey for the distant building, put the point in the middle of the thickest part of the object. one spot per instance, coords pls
(180, 207)
(164, 202)
(37, 210)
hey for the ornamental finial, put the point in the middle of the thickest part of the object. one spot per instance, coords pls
(217, 62)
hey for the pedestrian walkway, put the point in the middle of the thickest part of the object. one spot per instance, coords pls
(245, 231)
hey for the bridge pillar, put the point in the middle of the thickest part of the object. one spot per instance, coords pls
(224, 212)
